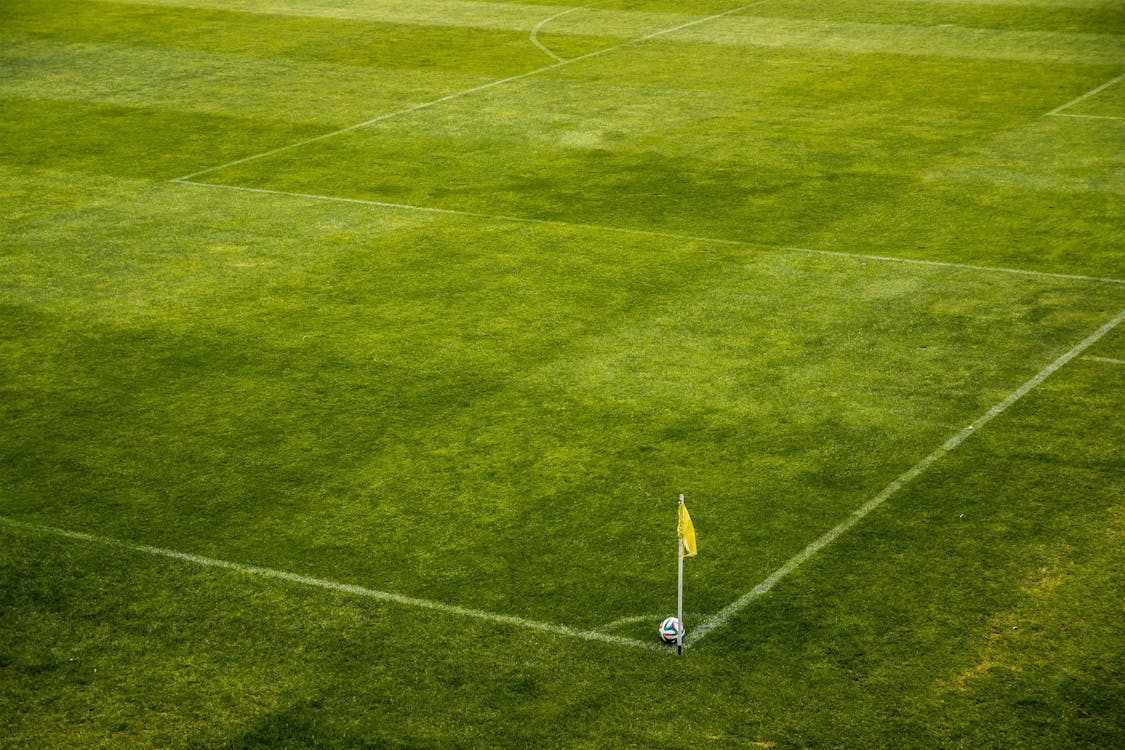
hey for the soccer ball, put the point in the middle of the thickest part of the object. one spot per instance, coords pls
(671, 629)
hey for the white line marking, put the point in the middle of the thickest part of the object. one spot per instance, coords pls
(1106, 360)
(1086, 96)
(649, 233)
(722, 617)
(408, 601)
(1086, 117)
(629, 621)
(467, 92)
(654, 619)
(534, 37)
(966, 266)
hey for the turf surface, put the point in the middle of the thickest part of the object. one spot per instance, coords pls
(468, 353)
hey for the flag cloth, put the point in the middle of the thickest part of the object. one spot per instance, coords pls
(686, 532)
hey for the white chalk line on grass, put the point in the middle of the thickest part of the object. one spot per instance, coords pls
(466, 92)
(650, 233)
(629, 621)
(722, 617)
(1087, 95)
(654, 619)
(964, 266)
(1104, 360)
(409, 601)
(709, 624)
(1088, 117)
(534, 36)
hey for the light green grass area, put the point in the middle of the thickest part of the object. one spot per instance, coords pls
(383, 294)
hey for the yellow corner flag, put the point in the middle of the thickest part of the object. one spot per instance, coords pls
(686, 531)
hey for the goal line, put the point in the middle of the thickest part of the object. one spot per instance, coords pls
(255, 570)
(721, 618)
(709, 624)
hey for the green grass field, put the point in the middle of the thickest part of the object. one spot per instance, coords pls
(353, 354)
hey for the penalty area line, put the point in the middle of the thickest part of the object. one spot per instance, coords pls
(1105, 360)
(261, 572)
(950, 264)
(1092, 92)
(1087, 117)
(722, 617)
(648, 233)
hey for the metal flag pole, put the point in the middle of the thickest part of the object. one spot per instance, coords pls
(680, 590)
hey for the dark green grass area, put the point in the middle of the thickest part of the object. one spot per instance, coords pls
(932, 625)
(1026, 518)
(610, 281)
(341, 41)
(129, 141)
(753, 155)
(283, 407)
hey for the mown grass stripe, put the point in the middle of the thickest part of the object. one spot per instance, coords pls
(954, 42)
(315, 93)
(724, 616)
(255, 570)
(472, 14)
(471, 90)
(460, 13)
(652, 233)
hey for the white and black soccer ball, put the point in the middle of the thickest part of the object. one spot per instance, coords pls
(671, 629)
